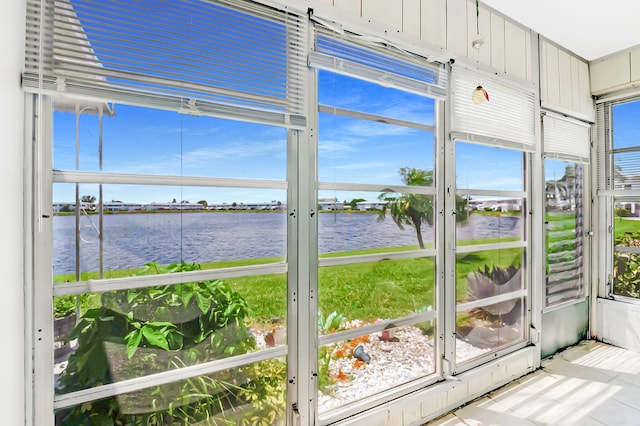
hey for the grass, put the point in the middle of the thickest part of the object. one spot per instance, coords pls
(365, 291)
(621, 226)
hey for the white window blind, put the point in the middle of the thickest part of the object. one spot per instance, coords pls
(506, 119)
(565, 138)
(230, 58)
(355, 56)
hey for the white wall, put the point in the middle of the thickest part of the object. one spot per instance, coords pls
(12, 315)
(616, 72)
(449, 27)
(564, 81)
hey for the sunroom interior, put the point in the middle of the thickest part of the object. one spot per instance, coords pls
(315, 212)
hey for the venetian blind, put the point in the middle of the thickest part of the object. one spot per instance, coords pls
(371, 60)
(224, 58)
(507, 119)
(565, 138)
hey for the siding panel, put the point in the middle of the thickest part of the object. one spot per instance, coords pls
(386, 14)
(433, 25)
(515, 50)
(457, 26)
(411, 17)
(497, 42)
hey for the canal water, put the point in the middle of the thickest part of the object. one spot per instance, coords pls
(131, 240)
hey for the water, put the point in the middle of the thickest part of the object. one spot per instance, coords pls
(131, 240)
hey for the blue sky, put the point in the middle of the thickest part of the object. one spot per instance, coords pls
(145, 141)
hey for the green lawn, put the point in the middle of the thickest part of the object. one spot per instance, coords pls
(366, 291)
(621, 226)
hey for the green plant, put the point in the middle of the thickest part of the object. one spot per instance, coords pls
(626, 270)
(425, 326)
(64, 306)
(329, 324)
(416, 209)
(150, 330)
(332, 323)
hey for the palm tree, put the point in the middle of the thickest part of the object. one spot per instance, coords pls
(415, 209)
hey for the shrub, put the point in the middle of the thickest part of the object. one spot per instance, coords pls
(150, 330)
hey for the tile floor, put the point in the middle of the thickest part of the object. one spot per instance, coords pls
(591, 383)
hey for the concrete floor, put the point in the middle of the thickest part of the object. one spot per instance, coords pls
(591, 383)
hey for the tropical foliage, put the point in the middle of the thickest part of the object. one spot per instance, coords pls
(415, 209)
(626, 266)
(150, 330)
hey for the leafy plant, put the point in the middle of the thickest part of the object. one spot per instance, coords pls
(487, 282)
(151, 330)
(626, 270)
(415, 209)
(425, 326)
(330, 324)
(333, 322)
(64, 306)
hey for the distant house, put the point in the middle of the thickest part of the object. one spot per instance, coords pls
(119, 206)
(330, 204)
(496, 204)
(174, 206)
(370, 205)
(58, 207)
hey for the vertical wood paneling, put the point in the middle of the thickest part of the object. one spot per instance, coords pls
(553, 77)
(386, 14)
(483, 54)
(576, 102)
(528, 53)
(411, 17)
(485, 30)
(471, 29)
(610, 72)
(564, 76)
(351, 7)
(542, 48)
(433, 22)
(497, 42)
(586, 101)
(635, 65)
(515, 50)
(457, 26)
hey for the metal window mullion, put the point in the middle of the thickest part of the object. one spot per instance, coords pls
(447, 240)
(166, 377)
(63, 176)
(374, 117)
(375, 328)
(492, 246)
(492, 193)
(340, 186)
(367, 258)
(467, 306)
(125, 283)
(43, 385)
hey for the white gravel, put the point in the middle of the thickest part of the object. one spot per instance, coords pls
(391, 364)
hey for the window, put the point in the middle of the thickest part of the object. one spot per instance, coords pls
(163, 276)
(564, 231)
(491, 268)
(376, 281)
(619, 186)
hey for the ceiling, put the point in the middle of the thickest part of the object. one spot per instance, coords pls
(589, 28)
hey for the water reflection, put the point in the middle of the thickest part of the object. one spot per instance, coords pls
(131, 240)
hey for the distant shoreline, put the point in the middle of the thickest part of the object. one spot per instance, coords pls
(173, 211)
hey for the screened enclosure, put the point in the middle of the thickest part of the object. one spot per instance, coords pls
(248, 214)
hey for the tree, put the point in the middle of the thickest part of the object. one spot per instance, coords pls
(415, 209)
(204, 203)
(354, 202)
